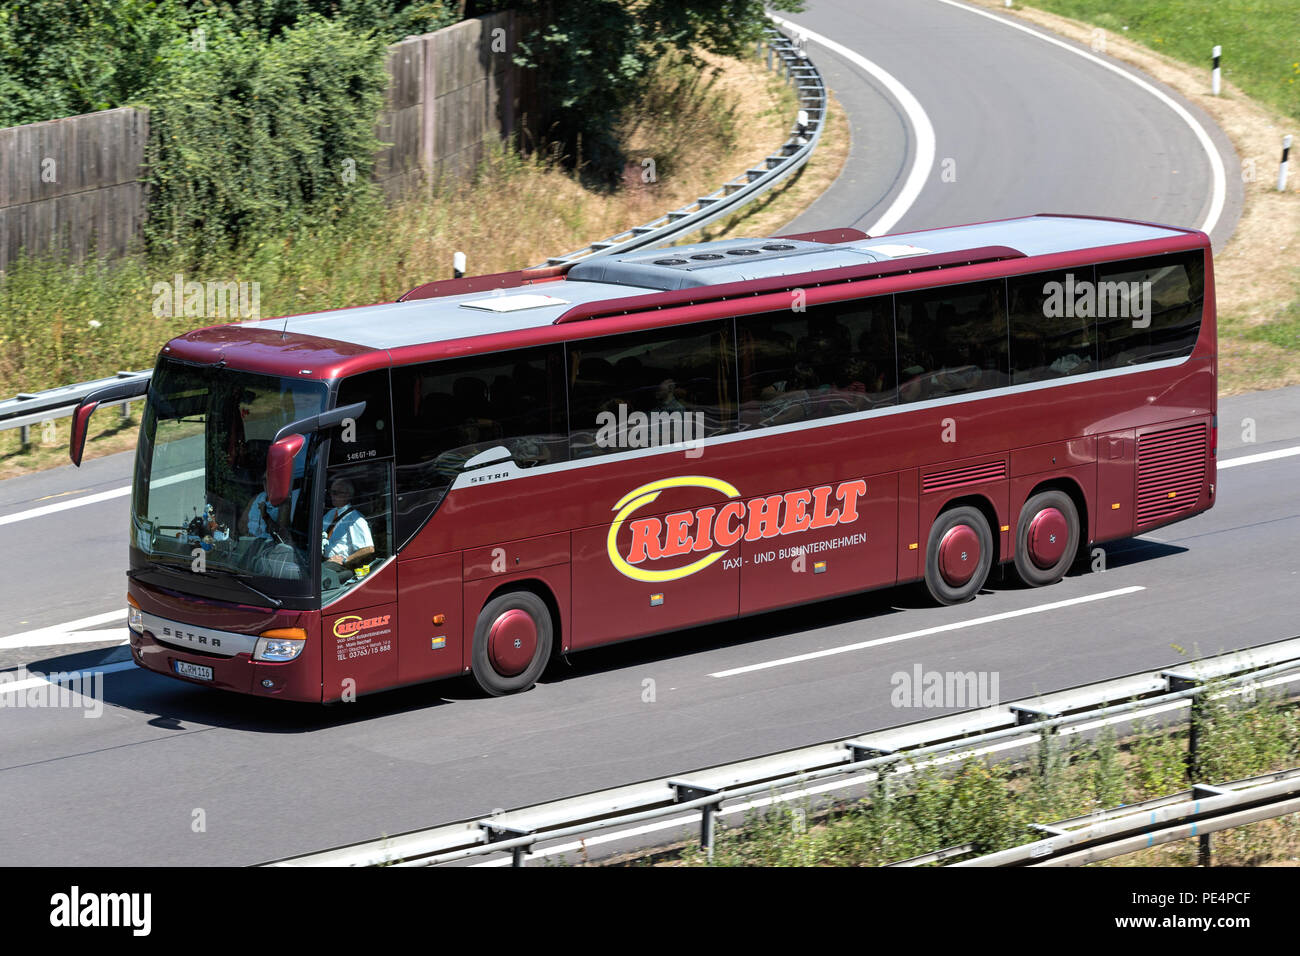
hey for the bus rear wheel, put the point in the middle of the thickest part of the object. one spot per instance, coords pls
(958, 555)
(512, 642)
(1047, 538)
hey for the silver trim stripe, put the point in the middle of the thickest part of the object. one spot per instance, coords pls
(206, 640)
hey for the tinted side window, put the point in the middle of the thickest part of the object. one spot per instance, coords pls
(1149, 309)
(1050, 337)
(833, 359)
(951, 340)
(447, 412)
(650, 388)
(371, 435)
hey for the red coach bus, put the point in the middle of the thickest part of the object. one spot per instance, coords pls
(498, 469)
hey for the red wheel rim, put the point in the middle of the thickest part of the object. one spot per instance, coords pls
(1049, 533)
(512, 641)
(959, 555)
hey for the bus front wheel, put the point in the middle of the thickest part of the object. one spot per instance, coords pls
(512, 642)
(1047, 538)
(958, 555)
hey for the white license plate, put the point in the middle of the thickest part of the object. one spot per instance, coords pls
(197, 671)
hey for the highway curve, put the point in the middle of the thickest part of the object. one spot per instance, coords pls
(1032, 127)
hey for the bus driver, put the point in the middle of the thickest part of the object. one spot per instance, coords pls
(346, 542)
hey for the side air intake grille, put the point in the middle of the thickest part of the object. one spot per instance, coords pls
(970, 475)
(1171, 472)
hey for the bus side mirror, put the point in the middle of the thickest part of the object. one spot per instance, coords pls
(133, 385)
(279, 468)
(80, 426)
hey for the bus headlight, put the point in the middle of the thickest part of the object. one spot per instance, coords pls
(134, 616)
(280, 644)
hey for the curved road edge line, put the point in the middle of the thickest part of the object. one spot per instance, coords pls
(922, 161)
(1219, 198)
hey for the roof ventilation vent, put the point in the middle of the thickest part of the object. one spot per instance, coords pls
(706, 255)
(743, 252)
(778, 247)
(670, 262)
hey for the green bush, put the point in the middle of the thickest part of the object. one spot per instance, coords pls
(249, 138)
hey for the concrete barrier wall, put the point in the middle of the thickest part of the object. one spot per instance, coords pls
(78, 183)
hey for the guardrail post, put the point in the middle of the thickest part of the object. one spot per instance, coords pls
(1046, 736)
(1180, 682)
(25, 437)
(684, 792)
(496, 832)
(860, 752)
(1200, 790)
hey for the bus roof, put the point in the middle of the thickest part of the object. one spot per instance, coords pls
(646, 272)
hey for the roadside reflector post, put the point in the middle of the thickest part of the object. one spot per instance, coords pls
(1214, 74)
(496, 832)
(458, 264)
(1281, 170)
(684, 792)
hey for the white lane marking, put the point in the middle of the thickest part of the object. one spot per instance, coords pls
(923, 161)
(925, 632)
(65, 505)
(73, 632)
(18, 686)
(1262, 456)
(95, 498)
(1220, 179)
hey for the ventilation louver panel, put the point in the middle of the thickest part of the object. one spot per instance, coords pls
(970, 475)
(1171, 473)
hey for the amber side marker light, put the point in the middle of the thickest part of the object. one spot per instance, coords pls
(280, 644)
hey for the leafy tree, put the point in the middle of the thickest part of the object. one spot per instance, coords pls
(593, 58)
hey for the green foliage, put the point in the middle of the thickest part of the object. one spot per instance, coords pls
(1258, 37)
(593, 57)
(61, 59)
(248, 138)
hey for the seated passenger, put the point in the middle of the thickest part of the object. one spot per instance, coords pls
(260, 515)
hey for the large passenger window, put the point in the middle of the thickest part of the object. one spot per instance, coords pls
(1051, 337)
(447, 412)
(833, 359)
(1149, 309)
(650, 388)
(951, 340)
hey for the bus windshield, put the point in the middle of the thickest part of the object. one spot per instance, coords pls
(200, 505)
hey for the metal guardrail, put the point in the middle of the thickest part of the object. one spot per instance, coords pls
(1198, 812)
(35, 408)
(29, 409)
(865, 758)
(742, 189)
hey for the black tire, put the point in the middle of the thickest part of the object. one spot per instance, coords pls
(941, 589)
(488, 671)
(1038, 573)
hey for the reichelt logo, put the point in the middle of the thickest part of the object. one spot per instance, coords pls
(354, 624)
(704, 530)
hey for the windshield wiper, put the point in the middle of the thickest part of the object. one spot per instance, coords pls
(175, 571)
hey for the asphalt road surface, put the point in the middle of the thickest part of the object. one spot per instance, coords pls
(168, 773)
